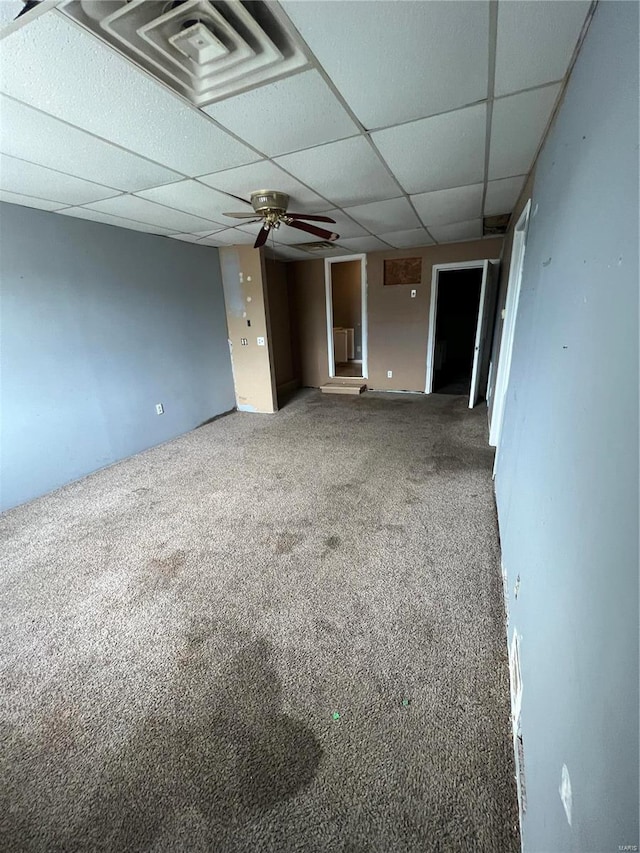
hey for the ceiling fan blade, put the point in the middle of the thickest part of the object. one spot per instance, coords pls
(231, 195)
(311, 218)
(242, 215)
(262, 236)
(311, 229)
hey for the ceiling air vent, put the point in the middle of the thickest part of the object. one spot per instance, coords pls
(205, 50)
(316, 246)
(493, 226)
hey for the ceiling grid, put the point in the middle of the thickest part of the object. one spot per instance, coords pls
(406, 124)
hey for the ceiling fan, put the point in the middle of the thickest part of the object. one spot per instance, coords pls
(270, 208)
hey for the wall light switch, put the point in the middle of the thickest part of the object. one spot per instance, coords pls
(159, 409)
(389, 374)
(244, 342)
(260, 342)
(413, 294)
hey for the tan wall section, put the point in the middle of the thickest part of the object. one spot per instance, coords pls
(398, 325)
(281, 337)
(245, 295)
(310, 318)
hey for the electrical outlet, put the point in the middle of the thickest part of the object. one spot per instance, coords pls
(413, 294)
(260, 342)
(389, 374)
(159, 409)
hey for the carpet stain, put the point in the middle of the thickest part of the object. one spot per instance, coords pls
(286, 542)
(226, 755)
(169, 566)
(332, 542)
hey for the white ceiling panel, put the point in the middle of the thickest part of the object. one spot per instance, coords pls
(265, 175)
(396, 61)
(536, 39)
(195, 198)
(346, 172)
(471, 230)
(407, 239)
(29, 201)
(28, 179)
(229, 237)
(31, 135)
(293, 113)
(290, 254)
(502, 195)
(437, 153)
(395, 214)
(516, 130)
(118, 221)
(191, 238)
(141, 210)
(55, 65)
(345, 226)
(364, 244)
(445, 206)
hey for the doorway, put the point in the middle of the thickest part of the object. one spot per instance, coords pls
(345, 282)
(458, 301)
(463, 298)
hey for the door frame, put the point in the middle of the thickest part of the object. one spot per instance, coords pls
(329, 309)
(433, 308)
(512, 300)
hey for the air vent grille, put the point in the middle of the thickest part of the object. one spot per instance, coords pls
(317, 246)
(496, 225)
(205, 50)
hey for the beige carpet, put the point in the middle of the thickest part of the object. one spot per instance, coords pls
(180, 630)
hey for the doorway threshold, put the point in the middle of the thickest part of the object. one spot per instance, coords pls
(344, 385)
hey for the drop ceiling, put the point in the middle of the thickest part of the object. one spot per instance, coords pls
(406, 122)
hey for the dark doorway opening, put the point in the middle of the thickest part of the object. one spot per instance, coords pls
(456, 321)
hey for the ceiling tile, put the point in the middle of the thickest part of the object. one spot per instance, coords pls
(517, 126)
(29, 201)
(345, 226)
(407, 239)
(445, 206)
(293, 113)
(31, 135)
(347, 172)
(229, 237)
(536, 40)
(438, 152)
(141, 210)
(191, 238)
(458, 231)
(195, 198)
(18, 176)
(55, 65)
(290, 254)
(435, 54)
(502, 195)
(364, 244)
(395, 214)
(118, 221)
(266, 175)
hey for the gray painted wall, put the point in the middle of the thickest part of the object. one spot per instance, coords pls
(567, 477)
(98, 324)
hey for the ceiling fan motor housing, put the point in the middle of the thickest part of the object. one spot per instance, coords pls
(269, 201)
